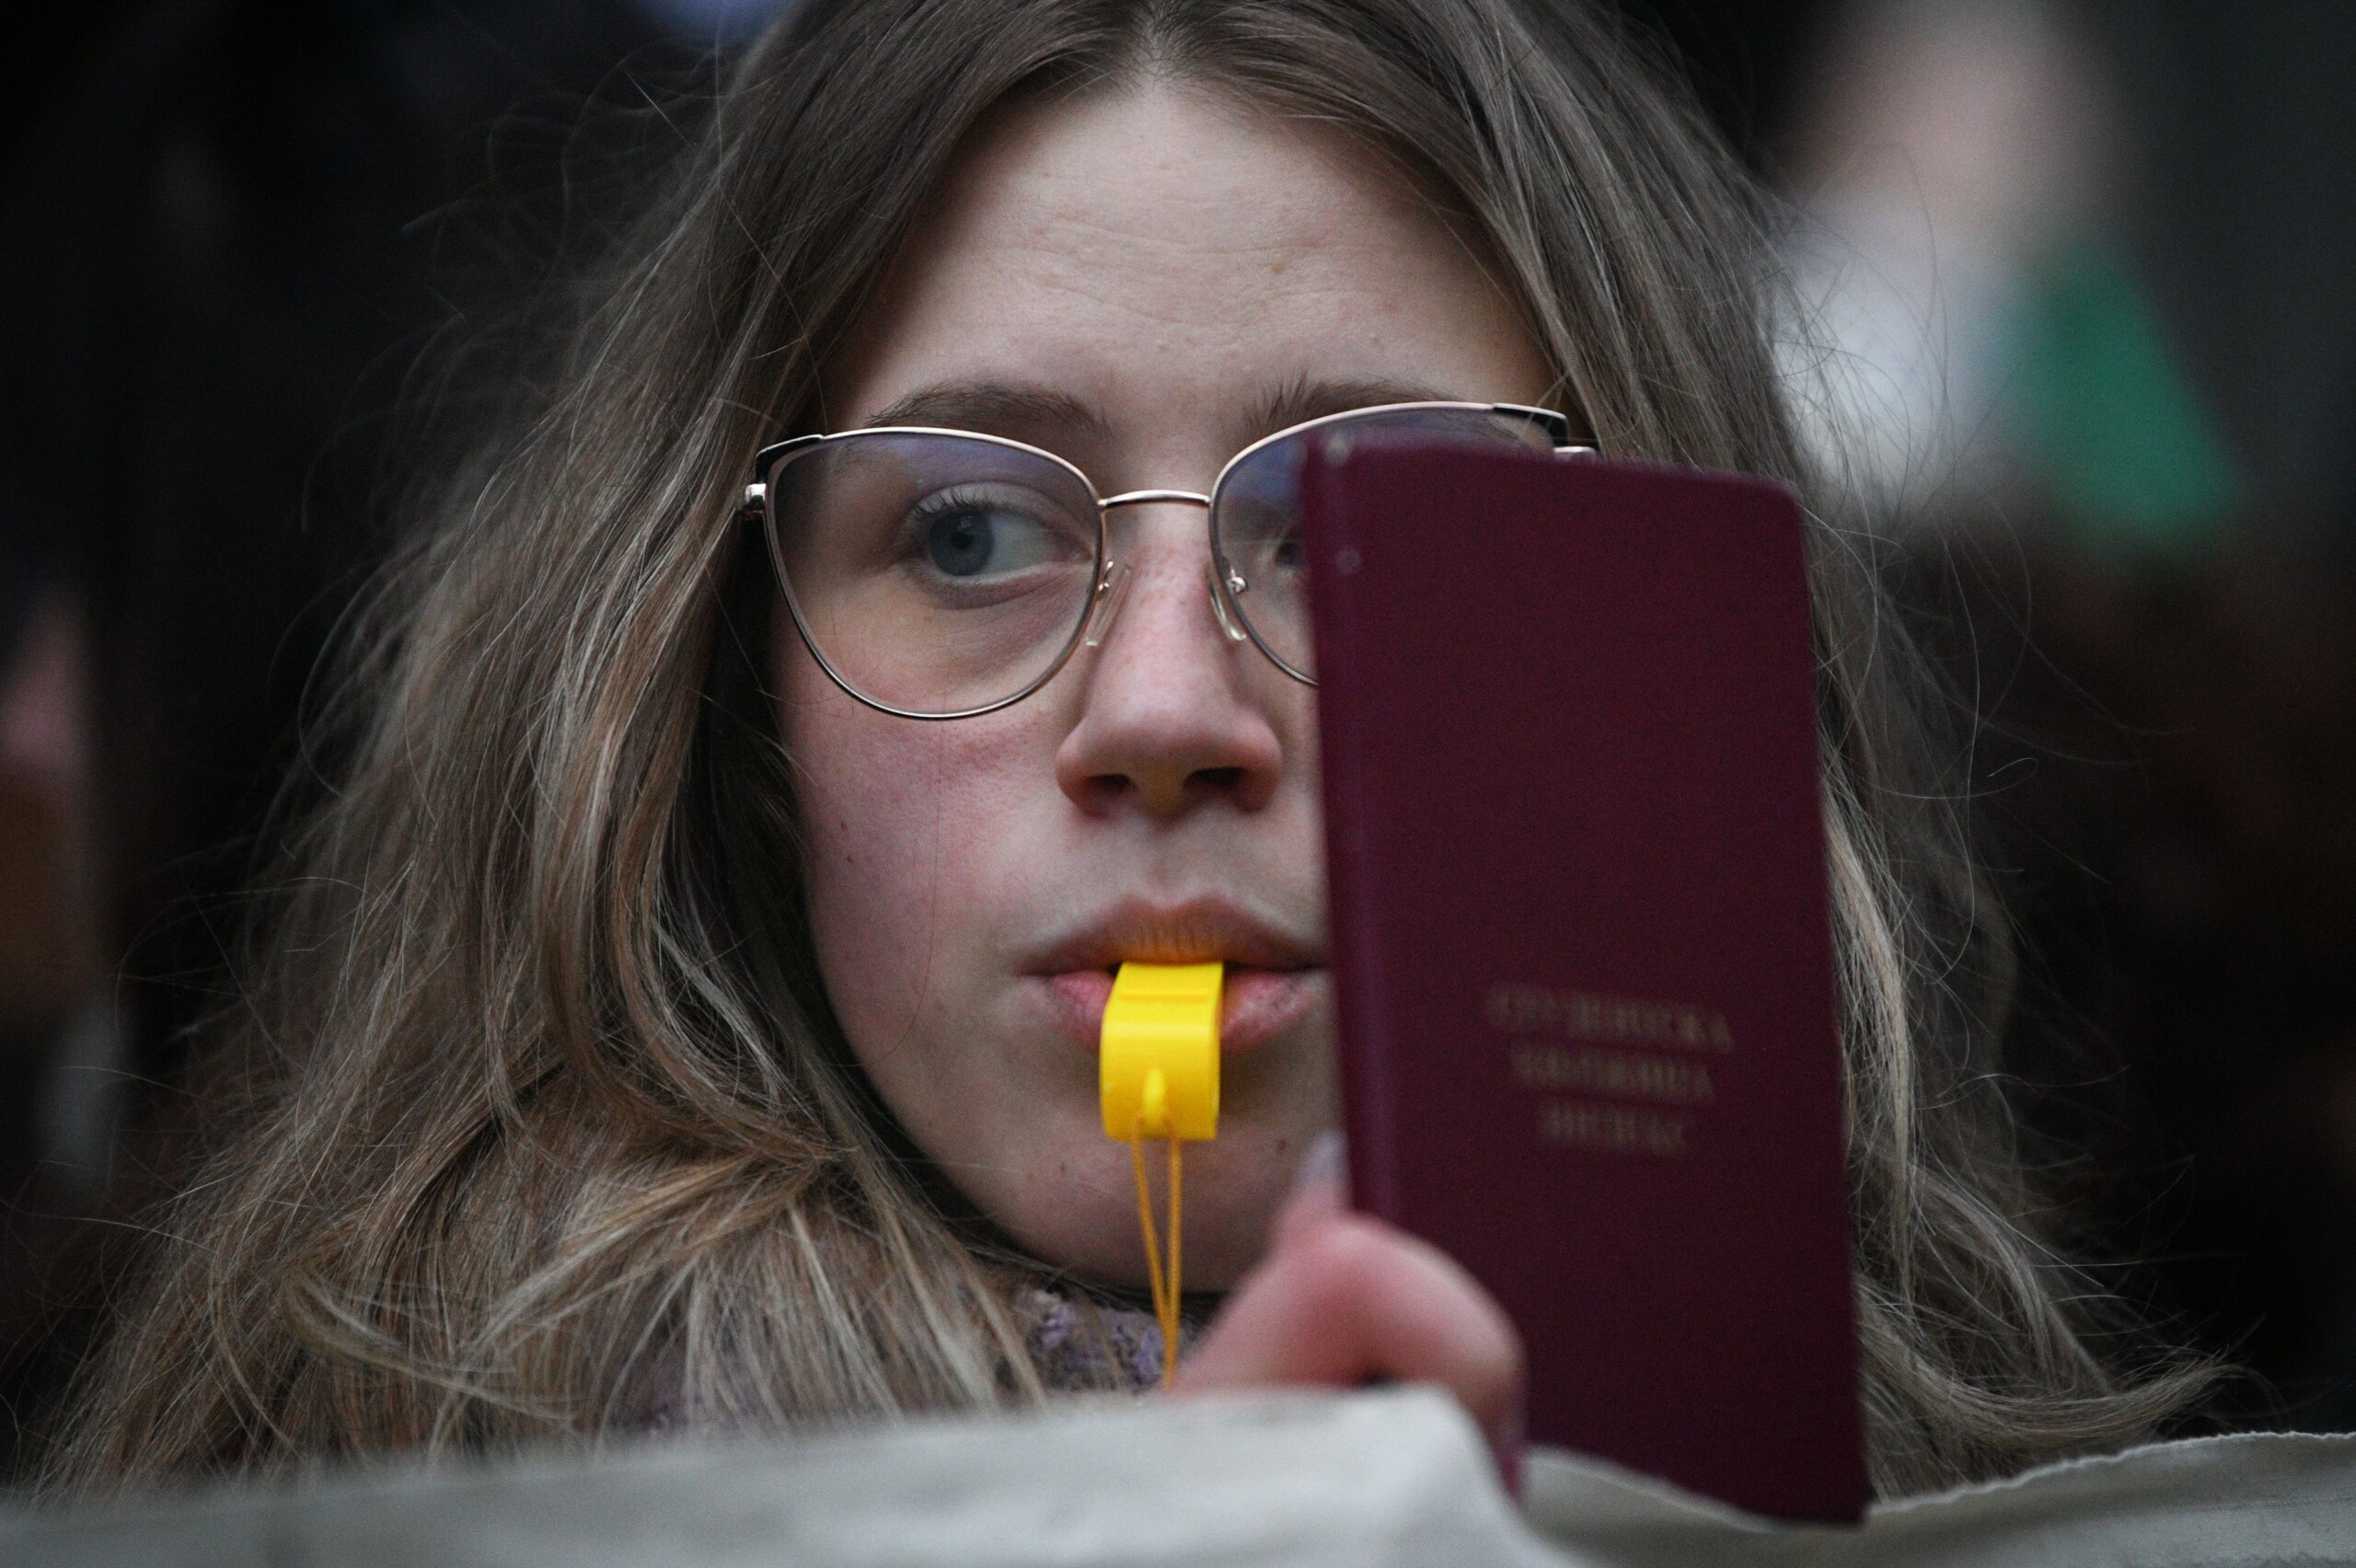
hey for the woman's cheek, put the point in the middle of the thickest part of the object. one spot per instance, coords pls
(909, 829)
(872, 843)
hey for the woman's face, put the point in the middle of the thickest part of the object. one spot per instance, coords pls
(1142, 282)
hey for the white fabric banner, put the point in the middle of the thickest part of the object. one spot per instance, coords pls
(1396, 1476)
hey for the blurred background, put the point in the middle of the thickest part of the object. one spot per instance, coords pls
(2070, 320)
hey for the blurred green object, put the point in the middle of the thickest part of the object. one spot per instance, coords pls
(2107, 418)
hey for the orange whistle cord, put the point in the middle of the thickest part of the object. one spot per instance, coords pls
(1169, 1312)
(1165, 1286)
(1145, 1223)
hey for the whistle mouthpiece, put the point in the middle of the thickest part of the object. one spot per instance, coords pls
(1158, 1063)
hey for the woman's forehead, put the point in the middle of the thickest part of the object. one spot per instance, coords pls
(1152, 254)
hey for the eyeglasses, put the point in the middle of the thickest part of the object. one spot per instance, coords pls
(941, 573)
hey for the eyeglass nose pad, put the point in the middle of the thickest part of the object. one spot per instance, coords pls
(1220, 606)
(1110, 589)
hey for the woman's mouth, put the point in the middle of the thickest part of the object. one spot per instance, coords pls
(1275, 974)
(1255, 1004)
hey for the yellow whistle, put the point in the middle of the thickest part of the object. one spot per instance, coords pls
(1157, 1064)
(1156, 1076)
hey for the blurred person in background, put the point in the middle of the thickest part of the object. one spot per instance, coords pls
(2084, 267)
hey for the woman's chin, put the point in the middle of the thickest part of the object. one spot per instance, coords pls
(1094, 1234)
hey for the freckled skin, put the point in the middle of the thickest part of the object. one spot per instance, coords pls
(1167, 260)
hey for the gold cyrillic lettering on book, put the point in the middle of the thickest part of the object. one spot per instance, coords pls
(1515, 1008)
(1615, 1129)
(1614, 1075)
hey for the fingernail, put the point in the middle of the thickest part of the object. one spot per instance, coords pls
(1509, 1452)
(1326, 1159)
(1508, 1445)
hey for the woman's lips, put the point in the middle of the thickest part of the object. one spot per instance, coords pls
(1254, 1004)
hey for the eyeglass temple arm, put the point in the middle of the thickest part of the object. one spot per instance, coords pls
(748, 507)
(1556, 426)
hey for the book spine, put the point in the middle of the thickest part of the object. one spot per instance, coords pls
(1361, 1043)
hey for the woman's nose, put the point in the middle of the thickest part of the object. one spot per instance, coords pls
(1169, 717)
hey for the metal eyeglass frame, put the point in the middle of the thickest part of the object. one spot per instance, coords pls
(1094, 619)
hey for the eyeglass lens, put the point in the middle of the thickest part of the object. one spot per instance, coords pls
(1256, 515)
(937, 573)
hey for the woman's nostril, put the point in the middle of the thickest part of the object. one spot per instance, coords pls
(1220, 779)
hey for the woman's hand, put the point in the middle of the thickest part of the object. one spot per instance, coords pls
(1343, 1300)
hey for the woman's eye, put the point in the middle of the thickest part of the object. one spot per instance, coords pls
(967, 540)
(961, 545)
(1272, 554)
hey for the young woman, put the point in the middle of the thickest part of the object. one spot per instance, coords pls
(684, 1013)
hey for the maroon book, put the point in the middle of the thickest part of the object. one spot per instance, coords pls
(1582, 945)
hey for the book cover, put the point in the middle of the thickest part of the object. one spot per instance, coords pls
(1582, 943)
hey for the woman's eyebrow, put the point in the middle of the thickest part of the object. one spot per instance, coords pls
(1301, 399)
(1012, 408)
(991, 407)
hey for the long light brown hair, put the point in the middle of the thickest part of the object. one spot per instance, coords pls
(545, 1123)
